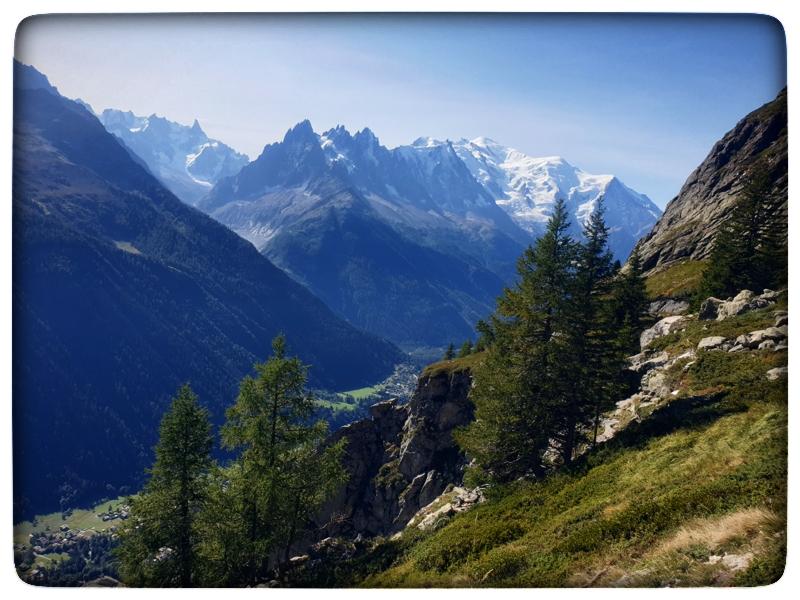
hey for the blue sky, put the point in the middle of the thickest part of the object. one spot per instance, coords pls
(642, 97)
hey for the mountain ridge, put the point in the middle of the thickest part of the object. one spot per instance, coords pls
(121, 292)
(422, 198)
(690, 221)
(183, 157)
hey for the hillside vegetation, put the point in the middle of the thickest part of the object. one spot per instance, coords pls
(676, 281)
(693, 495)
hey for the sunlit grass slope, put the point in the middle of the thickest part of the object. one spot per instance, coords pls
(693, 495)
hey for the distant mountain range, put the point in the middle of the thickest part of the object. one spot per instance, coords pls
(412, 243)
(121, 292)
(415, 252)
(526, 188)
(184, 158)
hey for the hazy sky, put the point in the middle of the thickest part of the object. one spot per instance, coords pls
(641, 97)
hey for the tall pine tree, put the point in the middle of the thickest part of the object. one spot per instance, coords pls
(523, 375)
(159, 542)
(592, 358)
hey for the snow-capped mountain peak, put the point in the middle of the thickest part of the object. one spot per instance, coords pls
(183, 157)
(527, 187)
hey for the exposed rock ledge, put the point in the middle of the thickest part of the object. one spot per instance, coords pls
(401, 459)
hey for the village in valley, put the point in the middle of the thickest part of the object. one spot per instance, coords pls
(50, 540)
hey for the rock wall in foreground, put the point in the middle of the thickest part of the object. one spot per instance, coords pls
(401, 458)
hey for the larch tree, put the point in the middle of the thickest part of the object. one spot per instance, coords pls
(284, 471)
(159, 542)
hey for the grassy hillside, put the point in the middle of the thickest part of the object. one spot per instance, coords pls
(693, 495)
(679, 280)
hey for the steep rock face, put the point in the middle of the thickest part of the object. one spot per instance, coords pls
(401, 458)
(687, 228)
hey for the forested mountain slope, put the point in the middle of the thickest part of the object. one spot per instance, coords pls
(120, 293)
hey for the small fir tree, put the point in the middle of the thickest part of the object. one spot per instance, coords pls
(630, 304)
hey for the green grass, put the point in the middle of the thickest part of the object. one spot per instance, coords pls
(49, 560)
(337, 406)
(363, 392)
(703, 476)
(695, 330)
(677, 281)
(455, 365)
(80, 519)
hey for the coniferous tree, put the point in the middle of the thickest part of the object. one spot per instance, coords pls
(592, 358)
(314, 474)
(630, 304)
(450, 353)
(466, 349)
(749, 250)
(159, 543)
(283, 474)
(519, 384)
(485, 335)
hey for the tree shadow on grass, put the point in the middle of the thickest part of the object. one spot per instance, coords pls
(681, 414)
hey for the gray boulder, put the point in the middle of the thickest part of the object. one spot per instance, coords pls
(738, 305)
(744, 301)
(709, 308)
(667, 307)
(665, 326)
(645, 361)
(777, 373)
(713, 342)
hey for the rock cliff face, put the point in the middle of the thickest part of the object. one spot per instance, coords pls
(687, 228)
(401, 458)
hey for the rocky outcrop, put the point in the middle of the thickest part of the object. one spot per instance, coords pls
(666, 307)
(653, 393)
(400, 459)
(687, 228)
(663, 327)
(744, 301)
(652, 365)
(454, 500)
